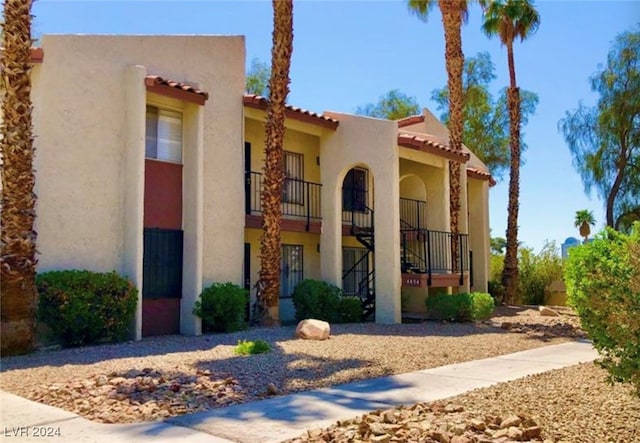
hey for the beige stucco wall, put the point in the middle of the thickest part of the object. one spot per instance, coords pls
(370, 143)
(84, 94)
(479, 243)
(310, 262)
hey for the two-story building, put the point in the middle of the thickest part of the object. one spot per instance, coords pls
(149, 162)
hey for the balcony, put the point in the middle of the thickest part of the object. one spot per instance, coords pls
(429, 257)
(300, 204)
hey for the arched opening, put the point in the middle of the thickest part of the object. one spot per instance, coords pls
(358, 264)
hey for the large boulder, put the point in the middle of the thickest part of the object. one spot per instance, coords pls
(312, 329)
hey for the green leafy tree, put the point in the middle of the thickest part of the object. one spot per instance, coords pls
(509, 19)
(394, 105)
(604, 140)
(584, 220)
(498, 244)
(257, 81)
(486, 119)
(603, 284)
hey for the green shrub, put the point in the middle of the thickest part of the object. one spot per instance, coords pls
(222, 307)
(603, 284)
(245, 347)
(350, 310)
(460, 307)
(537, 272)
(482, 305)
(451, 307)
(84, 307)
(317, 299)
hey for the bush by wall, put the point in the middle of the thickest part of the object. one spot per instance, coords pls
(84, 307)
(603, 284)
(350, 310)
(316, 299)
(222, 307)
(536, 273)
(460, 307)
(482, 305)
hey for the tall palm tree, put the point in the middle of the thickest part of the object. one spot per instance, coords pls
(18, 258)
(509, 19)
(584, 220)
(454, 13)
(268, 296)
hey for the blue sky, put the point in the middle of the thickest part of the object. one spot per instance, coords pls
(348, 53)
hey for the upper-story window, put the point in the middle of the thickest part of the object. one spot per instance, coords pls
(293, 191)
(163, 135)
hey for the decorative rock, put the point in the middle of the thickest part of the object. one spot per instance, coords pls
(460, 439)
(510, 421)
(514, 433)
(547, 312)
(531, 433)
(312, 329)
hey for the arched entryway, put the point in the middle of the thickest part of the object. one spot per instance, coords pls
(358, 245)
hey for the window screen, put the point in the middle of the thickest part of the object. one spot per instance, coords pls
(163, 135)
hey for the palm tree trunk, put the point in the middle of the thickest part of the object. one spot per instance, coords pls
(268, 296)
(18, 260)
(510, 271)
(454, 58)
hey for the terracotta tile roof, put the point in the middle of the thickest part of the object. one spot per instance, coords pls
(259, 102)
(432, 145)
(411, 120)
(175, 89)
(481, 175)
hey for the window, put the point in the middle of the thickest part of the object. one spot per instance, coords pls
(163, 135)
(293, 191)
(354, 190)
(290, 269)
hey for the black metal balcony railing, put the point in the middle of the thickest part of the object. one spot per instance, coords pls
(300, 198)
(426, 251)
(413, 214)
(435, 252)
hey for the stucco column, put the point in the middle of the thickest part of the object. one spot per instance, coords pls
(464, 219)
(479, 232)
(132, 249)
(387, 234)
(331, 235)
(192, 198)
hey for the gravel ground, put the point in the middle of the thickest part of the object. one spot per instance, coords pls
(167, 376)
(573, 404)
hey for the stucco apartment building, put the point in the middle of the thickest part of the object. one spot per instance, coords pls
(149, 162)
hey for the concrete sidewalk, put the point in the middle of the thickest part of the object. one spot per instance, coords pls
(279, 418)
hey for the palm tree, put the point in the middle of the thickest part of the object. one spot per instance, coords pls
(509, 19)
(18, 258)
(268, 294)
(454, 12)
(584, 221)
